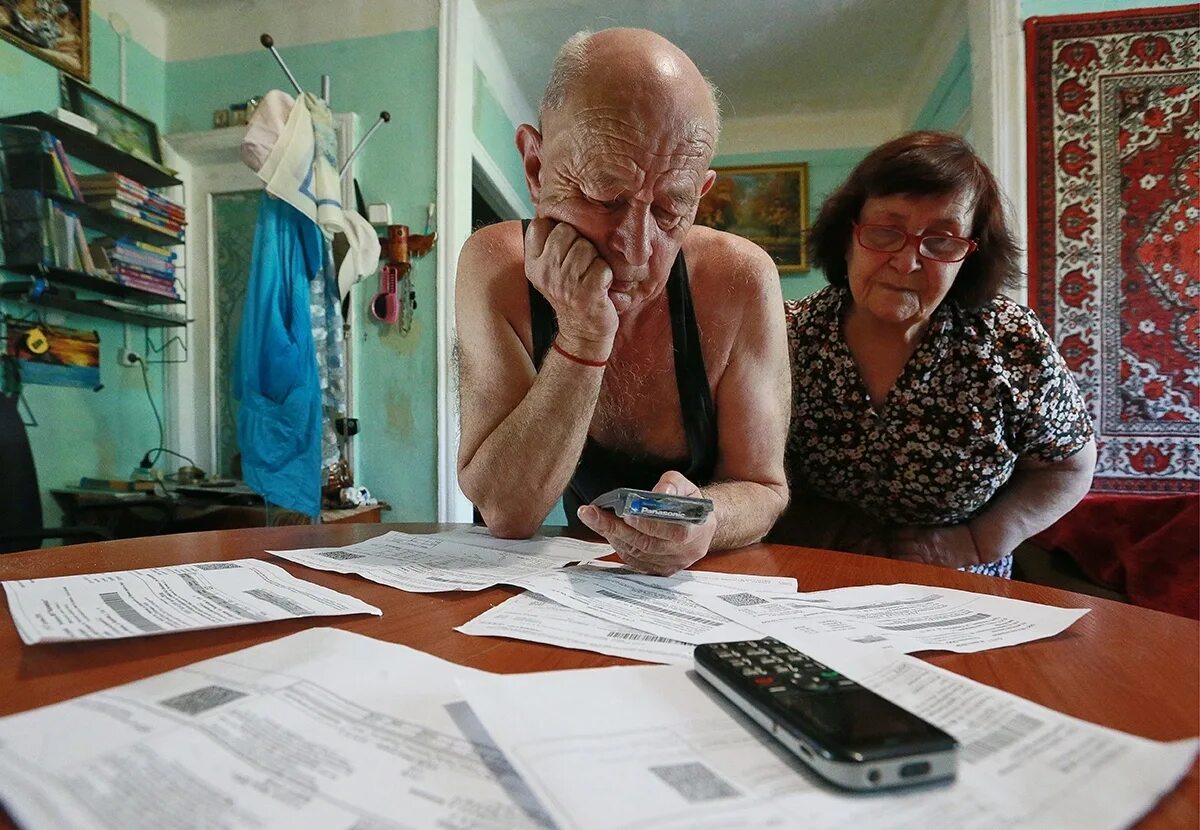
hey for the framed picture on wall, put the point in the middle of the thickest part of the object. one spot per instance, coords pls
(119, 125)
(767, 204)
(58, 32)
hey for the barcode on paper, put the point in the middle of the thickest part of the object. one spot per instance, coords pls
(638, 636)
(657, 609)
(1000, 738)
(201, 700)
(339, 554)
(217, 566)
(126, 612)
(695, 782)
(280, 602)
(742, 599)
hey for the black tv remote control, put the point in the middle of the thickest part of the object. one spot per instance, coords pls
(846, 733)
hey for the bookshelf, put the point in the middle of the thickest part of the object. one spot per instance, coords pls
(104, 309)
(91, 282)
(85, 146)
(43, 217)
(110, 224)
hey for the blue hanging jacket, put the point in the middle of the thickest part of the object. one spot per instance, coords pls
(275, 366)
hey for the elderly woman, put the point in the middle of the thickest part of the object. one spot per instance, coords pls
(932, 420)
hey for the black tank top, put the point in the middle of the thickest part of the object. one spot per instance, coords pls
(601, 469)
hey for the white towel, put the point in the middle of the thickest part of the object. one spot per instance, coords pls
(301, 169)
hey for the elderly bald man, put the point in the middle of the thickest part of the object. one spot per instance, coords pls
(613, 343)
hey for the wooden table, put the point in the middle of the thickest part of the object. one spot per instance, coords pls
(1120, 666)
(149, 513)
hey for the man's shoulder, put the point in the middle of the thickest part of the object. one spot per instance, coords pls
(714, 254)
(491, 273)
(493, 252)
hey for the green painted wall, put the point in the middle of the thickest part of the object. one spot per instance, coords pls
(395, 375)
(82, 432)
(826, 170)
(496, 133)
(950, 101)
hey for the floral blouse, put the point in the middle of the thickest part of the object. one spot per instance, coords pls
(982, 388)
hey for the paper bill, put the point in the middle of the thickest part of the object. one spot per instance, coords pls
(456, 560)
(118, 604)
(904, 617)
(634, 604)
(322, 729)
(655, 747)
(703, 582)
(530, 617)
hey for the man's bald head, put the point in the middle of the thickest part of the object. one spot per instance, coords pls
(628, 66)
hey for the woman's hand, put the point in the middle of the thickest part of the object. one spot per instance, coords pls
(953, 546)
(653, 546)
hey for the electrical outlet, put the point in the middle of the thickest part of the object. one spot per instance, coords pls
(128, 357)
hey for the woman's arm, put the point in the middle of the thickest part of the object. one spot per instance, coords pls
(1038, 494)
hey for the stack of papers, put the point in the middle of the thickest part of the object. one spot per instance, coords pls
(467, 559)
(330, 729)
(111, 606)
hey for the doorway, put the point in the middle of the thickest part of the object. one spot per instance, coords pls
(233, 219)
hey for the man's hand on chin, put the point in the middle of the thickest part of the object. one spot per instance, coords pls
(653, 546)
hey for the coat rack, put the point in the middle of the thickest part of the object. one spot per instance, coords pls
(384, 117)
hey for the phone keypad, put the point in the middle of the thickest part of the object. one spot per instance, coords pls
(779, 668)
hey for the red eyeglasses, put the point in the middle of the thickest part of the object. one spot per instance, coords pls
(887, 239)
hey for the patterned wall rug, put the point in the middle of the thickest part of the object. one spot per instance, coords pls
(1114, 178)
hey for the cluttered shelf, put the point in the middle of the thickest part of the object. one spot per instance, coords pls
(113, 225)
(104, 309)
(105, 233)
(91, 149)
(89, 282)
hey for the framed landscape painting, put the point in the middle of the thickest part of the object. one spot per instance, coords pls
(767, 204)
(118, 125)
(57, 32)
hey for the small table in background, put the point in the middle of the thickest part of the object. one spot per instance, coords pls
(190, 509)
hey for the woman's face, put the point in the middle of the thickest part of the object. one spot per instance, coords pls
(904, 288)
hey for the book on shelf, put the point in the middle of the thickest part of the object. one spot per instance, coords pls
(60, 153)
(146, 284)
(144, 209)
(123, 252)
(117, 183)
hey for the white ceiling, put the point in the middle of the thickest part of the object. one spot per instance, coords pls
(768, 57)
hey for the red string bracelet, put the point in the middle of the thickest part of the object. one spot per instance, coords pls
(575, 358)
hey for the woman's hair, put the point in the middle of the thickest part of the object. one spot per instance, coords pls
(925, 163)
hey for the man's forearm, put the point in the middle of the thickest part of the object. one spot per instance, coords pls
(745, 511)
(522, 468)
(1031, 501)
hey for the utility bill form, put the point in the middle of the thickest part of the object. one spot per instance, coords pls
(530, 617)
(322, 729)
(904, 617)
(111, 606)
(465, 559)
(654, 746)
